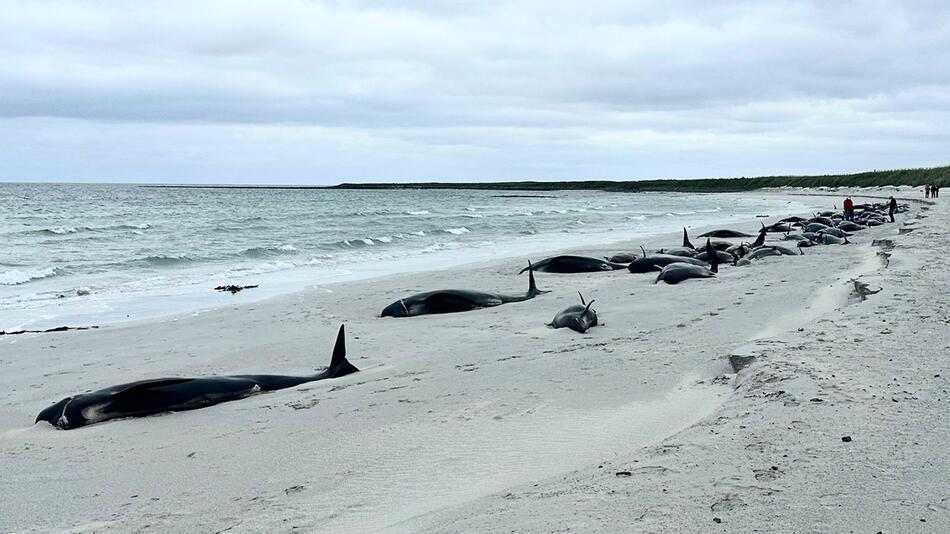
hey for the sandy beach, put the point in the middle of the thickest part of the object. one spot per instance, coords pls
(489, 421)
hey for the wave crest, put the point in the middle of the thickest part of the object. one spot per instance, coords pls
(15, 277)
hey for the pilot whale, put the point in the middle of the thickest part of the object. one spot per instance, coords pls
(578, 318)
(149, 397)
(572, 264)
(455, 300)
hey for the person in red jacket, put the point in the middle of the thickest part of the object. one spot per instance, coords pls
(848, 209)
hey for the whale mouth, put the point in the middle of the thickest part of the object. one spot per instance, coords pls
(56, 414)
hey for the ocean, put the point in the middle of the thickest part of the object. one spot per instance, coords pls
(82, 254)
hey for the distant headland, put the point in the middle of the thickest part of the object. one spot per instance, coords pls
(911, 177)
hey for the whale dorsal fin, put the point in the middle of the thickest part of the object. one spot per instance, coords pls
(339, 365)
(150, 384)
(686, 242)
(582, 298)
(644, 251)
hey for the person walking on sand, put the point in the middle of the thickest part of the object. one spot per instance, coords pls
(891, 207)
(848, 209)
(927, 191)
(934, 191)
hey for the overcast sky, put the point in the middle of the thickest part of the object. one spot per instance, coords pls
(273, 91)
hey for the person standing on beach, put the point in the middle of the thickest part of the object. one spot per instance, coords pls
(891, 207)
(934, 191)
(848, 209)
(927, 191)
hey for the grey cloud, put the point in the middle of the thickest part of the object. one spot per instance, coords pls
(502, 89)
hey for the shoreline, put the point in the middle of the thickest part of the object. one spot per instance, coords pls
(186, 300)
(492, 397)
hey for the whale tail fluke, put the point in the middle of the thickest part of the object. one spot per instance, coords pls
(339, 365)
(587, 306)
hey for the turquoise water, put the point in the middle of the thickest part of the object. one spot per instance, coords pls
(90, 254)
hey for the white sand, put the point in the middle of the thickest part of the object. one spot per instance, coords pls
(490, 421)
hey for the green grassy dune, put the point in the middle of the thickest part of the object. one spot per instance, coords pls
(915, 177)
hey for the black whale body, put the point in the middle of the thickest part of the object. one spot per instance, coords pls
(656, 262)
(578, 317)
(149, 397)
(573, 264)
(454, 300)
(725, 232)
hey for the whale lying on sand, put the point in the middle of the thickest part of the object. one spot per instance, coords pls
(572, 264)
(675, 273)
(455, 300)
(149, 397)
(725, 232)
(578, 317)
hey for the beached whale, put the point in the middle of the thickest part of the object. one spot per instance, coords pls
(828, 239)
(785, 251)
(675, 273)
(149, 397)
(680, 251)
(719, 244)
(837, 232)
(572, 264)
(578, 317)
(739, 250)
(793, 219)
(763, 252)
(725, 232)
(777, 227)
(656, 262)
(455, 300)
(721, 256)
(849, 226)
(623, 257)
(821, 220)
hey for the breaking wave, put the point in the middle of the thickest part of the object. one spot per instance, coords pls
(15, 277)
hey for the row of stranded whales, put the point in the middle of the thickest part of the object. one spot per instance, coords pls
(456, 300)
(150, 397)
(824, 228)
